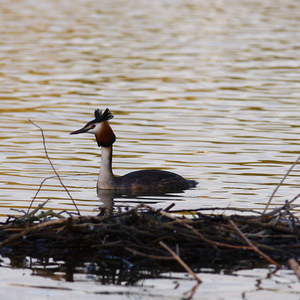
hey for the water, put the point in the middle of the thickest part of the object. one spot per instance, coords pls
(247, 285)
(208, 90)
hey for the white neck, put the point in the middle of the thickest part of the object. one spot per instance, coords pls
(106, 177)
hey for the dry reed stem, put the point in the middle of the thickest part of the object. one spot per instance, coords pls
(136, 252)
(38, 190)
(201, 236)
(224, 209)
(30, 229)
(280, 183)
(53, 168)
(183, 264)
(294, 199)
(295, 266)
(269, 259)
(32, 213)
(192, 292)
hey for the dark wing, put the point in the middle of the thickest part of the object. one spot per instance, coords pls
(155, 180)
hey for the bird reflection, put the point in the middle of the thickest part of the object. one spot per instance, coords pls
(109, 197)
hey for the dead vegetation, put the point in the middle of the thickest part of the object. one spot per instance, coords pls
(140, 231)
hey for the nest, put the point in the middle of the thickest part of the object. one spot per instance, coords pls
(197, 238)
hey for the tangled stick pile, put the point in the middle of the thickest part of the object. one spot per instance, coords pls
(139, 232)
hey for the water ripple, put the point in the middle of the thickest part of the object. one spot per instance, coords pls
(199, 89)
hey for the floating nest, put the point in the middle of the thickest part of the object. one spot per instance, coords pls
(199, 238)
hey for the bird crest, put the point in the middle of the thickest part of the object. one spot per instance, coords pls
(100, 117)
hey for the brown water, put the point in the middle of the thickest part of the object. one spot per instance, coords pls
(206, 89)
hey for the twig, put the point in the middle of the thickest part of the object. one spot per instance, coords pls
(192, 292)
(40, 187)
(136, 252)
(50, 213)
(30, 229)
(169, 207)
(213, 209)
(215, 244)
(295, 266)
(38, 190)
(32, 213)
(295, 198)
(185, 266)
(52, 166)
(253, 246)
(280, 183)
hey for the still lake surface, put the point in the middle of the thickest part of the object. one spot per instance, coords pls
(206, 89)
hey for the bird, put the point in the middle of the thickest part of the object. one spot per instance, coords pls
(143, 180)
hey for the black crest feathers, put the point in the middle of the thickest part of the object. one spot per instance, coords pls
(106, 115)
(100, 117)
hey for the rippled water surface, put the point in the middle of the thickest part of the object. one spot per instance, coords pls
(206, 89)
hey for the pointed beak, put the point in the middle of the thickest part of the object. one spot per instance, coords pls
(82, 130)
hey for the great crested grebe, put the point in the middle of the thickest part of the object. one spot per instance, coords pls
(144, 180)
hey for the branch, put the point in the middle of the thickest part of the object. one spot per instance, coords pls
(52, 166)
(185, 266)
(254, 248)
(280, 183)
(295, 266)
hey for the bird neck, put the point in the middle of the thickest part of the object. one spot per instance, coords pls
(106, 177)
